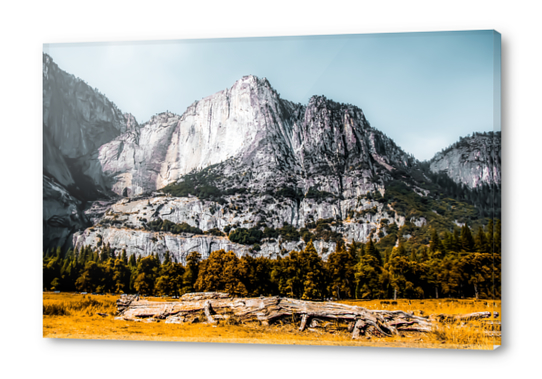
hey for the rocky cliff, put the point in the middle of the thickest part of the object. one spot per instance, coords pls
(124, 224)
(249, 130)
(473, 161)
(265, 161)
(242, 160)
(77, 120)
(62, 215)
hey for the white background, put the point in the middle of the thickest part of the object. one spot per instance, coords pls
(26, 25)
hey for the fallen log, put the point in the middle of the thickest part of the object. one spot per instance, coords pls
(358, 329)
(304, 320)
(219, 307)
(207, 310)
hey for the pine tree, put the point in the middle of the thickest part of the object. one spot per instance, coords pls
(387, 255)
(413, 256)
(435, 245)
(313, 273)
(132, 261)
(490, 236)
(231, 282)
(368, 271)
(448, 242)
(146, 273)
(456, 241)
(356, 250)
(371, 249)
(497, 238)
(340, 271)
(422, 252)
(167, 258)
(480, 242)
(123, 256)
(170, 278)
(467, 241)
(399, 250)
(121, 276)
(192, 271)
(90, 278)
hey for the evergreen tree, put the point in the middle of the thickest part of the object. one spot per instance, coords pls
(255, 274)
(422, 253)
(480, 242)
(497, 238)
(170, 278)
(90, 277)
(107, 283)
(413, 255)
(192, 271)
(340, 270)
(435, 245)
(314, 275)
(123, 256)
(448, 242)
(146, 273)
(467, 241)
(132, 261)
(231, 278)
(450, 275)
(387, 255)
(490, 236)
(121, 275)
(402, 273)
(456, 241)
(371, 249)
(368, 281)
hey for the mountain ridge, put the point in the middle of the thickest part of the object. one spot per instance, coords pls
(248, 121)
(473, 160)
(241, 159)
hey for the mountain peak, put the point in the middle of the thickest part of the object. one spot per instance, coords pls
(254, 79)
(254, 82)
(472, 161)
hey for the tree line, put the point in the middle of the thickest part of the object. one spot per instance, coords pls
(457, 264)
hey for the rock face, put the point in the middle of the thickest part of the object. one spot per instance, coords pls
(230, 123)
(472, 161)
(249, 127)
(273, 163)
(77, 120)
(62, 215)
(122, 224)
(241, 158)
(140, 242)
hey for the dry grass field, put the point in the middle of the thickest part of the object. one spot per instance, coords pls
(77, 316)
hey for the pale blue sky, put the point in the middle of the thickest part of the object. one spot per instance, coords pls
(424, 90)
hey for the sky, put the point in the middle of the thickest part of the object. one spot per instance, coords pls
(424, 90)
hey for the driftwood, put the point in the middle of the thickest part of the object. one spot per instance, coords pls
(218, 308)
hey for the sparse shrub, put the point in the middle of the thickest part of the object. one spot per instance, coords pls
(215, 232)
(246, 236)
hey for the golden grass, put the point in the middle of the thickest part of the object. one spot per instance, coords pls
(74, 305)
(473, 334)
(76, 316)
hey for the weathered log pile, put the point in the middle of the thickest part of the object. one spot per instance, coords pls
(215, 308)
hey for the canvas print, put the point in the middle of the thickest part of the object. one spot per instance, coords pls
(319, 190)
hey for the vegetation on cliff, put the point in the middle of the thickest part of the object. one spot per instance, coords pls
(462, 264)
